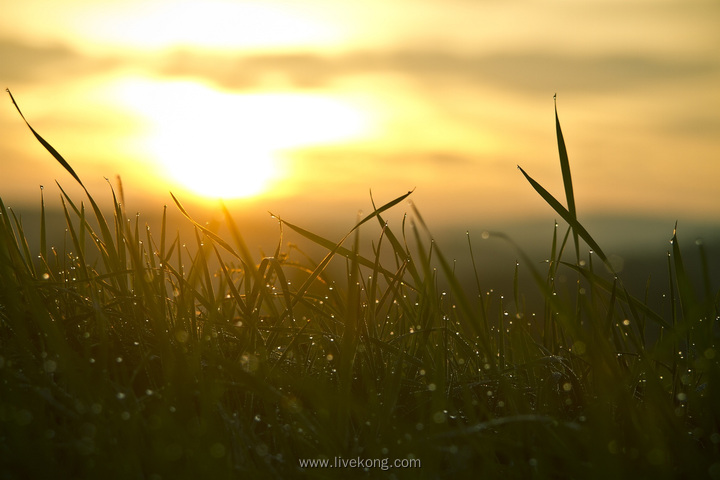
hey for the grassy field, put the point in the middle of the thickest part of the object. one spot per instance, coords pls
(126, 353)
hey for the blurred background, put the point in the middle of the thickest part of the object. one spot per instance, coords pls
(301, 108)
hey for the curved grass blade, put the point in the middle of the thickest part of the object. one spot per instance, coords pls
(45, 144)
(107, 237)
(334, 247)
(337, 247)
(568, 217)
(205, 230)
(397, 246)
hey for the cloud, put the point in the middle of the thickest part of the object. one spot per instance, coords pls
(528, 72)
(539, 72)
(24, 63)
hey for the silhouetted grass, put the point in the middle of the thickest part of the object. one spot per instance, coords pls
(128, 354)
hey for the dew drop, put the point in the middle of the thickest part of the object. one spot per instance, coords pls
(439, 417)
(50, 366)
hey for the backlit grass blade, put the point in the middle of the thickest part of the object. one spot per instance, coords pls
(687, 296)
(78, 247)
(334, 249)
(107, 237)
(332, 246)
(245, 254)
(554, 304)
(458, 292)
(622, 294)
(231, 285)
(202, 264)
(43, 231)
(567, 178)
(206, 231)
(400, 252)
(688, 302)
(45, 144)
(107, 246)
(568, 217)
(337, 247)
(378, 211)
(22, 243)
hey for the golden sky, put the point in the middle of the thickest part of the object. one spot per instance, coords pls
(306, 105)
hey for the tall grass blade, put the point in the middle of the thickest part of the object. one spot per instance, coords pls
(43, 231)
(245, 254)
(400, 252)
(685, 289)
(337, 247)
(22, 242)
(688, 301)
(80, 253)
(623, 294)
(231, 285)
(45, 144)
(334, 247)
(205, 230)
(570, 219)
(113, 252)
(704, 265)
(567, 178)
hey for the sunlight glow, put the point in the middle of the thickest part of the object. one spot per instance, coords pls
(224, 145)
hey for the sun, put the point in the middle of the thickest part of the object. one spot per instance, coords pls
(220, 144)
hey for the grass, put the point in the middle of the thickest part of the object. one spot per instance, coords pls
(132, 354)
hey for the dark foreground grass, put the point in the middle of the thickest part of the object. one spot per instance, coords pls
(137, 354)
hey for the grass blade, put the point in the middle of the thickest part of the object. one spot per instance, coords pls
(567, 178)
(43, 231)
(205, 230)
(337, 247)
(245, 254)
(45, 144)
(568, 217)
(604, 284)
(687, 295)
